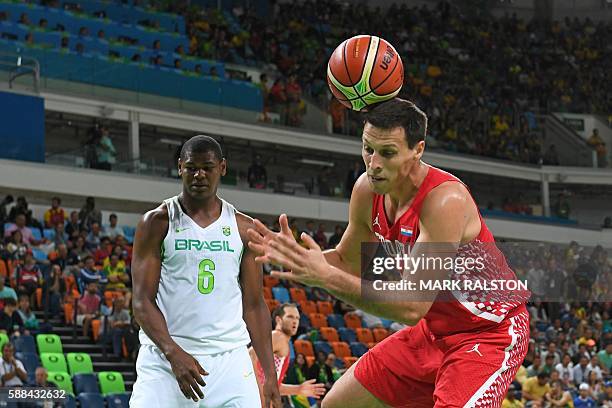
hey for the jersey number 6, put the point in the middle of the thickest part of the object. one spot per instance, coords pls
(206, 279)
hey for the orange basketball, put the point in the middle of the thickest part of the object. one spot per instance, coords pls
(364, 70)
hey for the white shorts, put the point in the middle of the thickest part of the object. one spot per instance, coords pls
(230, 381)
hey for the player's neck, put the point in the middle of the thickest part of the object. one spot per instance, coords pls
(408, 186)
(282, 333)
(194, 206)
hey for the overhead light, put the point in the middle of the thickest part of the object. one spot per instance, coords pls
(317, 162)
(171, 142)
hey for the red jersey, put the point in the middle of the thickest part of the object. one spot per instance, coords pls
(280, 363)
(459, 311)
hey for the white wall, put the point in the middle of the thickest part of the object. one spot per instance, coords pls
(56, 180)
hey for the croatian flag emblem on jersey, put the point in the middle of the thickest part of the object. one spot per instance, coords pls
(405, 231)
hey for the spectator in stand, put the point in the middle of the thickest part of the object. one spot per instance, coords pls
(88, 307)
(278, 99)
(30, 322)
(558, 397)
(10, 321)
(41, 378)
(338, 114)
(534, 390)
(6, 292)
(79, 251)
(94, 238)
(536, 366)
(12, 371)
(117, 277)
(106, 150)
(581, 371)
(605, 357)
(119, 321)
(352, 176)
(598, 144)
(121, 254)
(55, 288)
(295, 104)
(55, 214)
(60, 237)
(89, 214)
(320, 237)
(310, 229)
(257, 175)
(73, 226)
(566, 370)
(89, 274)
(112, 230)
(4, 215)
(336, 237)
(26, 232)
(562, 207)
(103, 251)
(510, 401)
(584, 400)
(593, 367)
(28, 276)
(15, 247)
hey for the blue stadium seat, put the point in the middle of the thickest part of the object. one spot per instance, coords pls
(30, 362)
(322, 346)
(304, 322)
(291, 351)
(347, 334)
(85, 383)
(38, 254)
(91, 400)
(339, 363)
(281, 294)
(69, 402)
(118, 400)
(386, 323)
(335, 320)
(358, 349)
(49, 233)
(25, 344)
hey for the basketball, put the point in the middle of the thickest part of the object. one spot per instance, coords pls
(364, 70)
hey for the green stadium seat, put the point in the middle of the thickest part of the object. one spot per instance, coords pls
(49, 343)
(3, 340)
(79, 363)
(111, 382)
(54, 362)
(62, 380)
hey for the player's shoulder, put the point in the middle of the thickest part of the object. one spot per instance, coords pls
(244, 223)
(449, 194)
(155, 220)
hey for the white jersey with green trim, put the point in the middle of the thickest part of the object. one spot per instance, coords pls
(199, 292)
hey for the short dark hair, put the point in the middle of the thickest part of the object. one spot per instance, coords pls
(280, 310)
(542, 375)
(202, 144)
(399, 113)
(10, 302)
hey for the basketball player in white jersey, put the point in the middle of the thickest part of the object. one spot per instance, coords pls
(286, 319)
(198, 296)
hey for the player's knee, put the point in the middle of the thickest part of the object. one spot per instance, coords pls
(331, 399)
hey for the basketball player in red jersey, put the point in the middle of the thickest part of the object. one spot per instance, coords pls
(463, 350)
(286, 320)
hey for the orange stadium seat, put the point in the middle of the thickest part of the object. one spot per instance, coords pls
(39, 298)
(380, 334)
(349, 361)
(308, 306)
(68, 313)
(267, 293)
(95, 328)
(324, 307)
(303, 347)
(297, 294)
(364, 335)
(317, 320)
(341, 349)
(5, 267)
(270, 281)
(310, 360)
(329, 333)
(352, 320)
(272, 304)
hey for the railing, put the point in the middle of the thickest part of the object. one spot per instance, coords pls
(17, 66)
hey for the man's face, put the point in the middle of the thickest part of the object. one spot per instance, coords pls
(41, 376)
(54, 204)
(90, 264)
(113, 221)
(92, 288)
(289, 322)
(201, 173)
(95, 228)
(7, 352)
(20, 220)
(114, 260)
(24, 303)
(74, 217)
(387, 157)
(331, 360)
(542, 380)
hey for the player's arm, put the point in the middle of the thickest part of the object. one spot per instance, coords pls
(256, 314)
(146, 272)
(442, 221)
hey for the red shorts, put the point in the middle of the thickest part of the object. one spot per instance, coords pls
(413, 368)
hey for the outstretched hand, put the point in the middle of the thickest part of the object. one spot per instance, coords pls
(306, 265)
